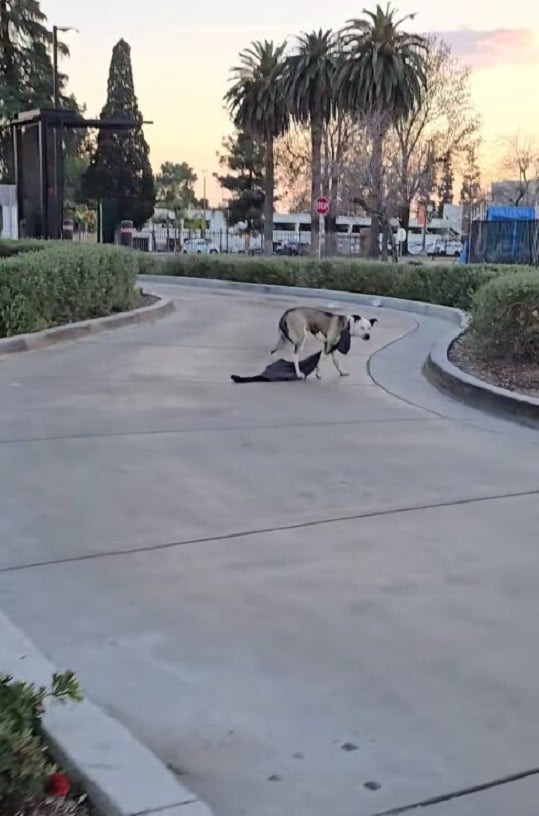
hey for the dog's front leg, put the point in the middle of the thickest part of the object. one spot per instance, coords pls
(338, 366)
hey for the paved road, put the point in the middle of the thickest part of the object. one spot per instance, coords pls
(252, 577)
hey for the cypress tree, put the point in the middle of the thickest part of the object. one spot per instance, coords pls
(120, 174)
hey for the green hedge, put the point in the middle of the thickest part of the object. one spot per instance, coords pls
(65, 283)
(505, 318)
(10, 247)
(448, 285)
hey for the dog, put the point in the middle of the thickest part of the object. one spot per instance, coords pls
(297, 324)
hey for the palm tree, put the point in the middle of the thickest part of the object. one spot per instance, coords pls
(383, 77)
(257, 105)
(310, 78)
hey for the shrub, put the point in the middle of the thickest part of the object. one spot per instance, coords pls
(452, 285)
(63, 284)
(24, 763)
(8, 247)
(505, 318)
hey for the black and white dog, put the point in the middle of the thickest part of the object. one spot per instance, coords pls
(296, 325)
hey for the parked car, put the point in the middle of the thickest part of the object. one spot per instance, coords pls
(291, 248)
(199, 246)
(449, 248)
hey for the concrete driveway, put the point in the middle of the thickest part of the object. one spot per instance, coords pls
(289, 591)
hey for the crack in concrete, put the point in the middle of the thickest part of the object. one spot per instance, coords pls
(267, 530)
(458, 794)
(221, 429)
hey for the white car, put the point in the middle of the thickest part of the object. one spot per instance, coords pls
(449, 248)
(199, 246)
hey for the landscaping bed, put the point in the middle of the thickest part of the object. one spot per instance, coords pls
(31, 784)
(521, 377)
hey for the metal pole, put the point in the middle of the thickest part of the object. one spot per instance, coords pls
(204, 201)
(56, 150)
(56, 87)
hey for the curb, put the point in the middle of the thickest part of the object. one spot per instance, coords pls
(437, 368)
(74, 331)
(475, 392)
(377, 301)
(120, 775)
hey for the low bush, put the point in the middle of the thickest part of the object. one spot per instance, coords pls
(8, 247)
(505, 318)
(25, 766)
(65, 283)
(447, 285)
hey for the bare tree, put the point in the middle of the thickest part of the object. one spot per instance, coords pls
(520, 164)
(445, 123)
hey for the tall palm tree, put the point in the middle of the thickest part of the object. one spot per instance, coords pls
(384, 77)
(310, 78)
(257, 105)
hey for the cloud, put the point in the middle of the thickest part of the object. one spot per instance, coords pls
(487, 48)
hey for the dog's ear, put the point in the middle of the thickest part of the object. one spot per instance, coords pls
(356, 318)
(373, 320)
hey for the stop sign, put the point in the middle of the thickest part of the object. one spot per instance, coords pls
(321, 205)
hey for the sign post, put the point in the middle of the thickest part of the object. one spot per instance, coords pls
(321, 207)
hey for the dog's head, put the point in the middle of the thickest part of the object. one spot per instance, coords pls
(361, 326)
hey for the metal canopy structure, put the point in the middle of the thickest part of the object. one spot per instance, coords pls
(38, 151)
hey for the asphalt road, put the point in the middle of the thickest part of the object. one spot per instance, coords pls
(287, 590)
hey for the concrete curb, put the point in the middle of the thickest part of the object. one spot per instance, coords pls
(475, 392)
(74, 331)
(437, 367)
(121, 776)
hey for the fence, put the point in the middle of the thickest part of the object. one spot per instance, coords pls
(162, 240)
(504, 242)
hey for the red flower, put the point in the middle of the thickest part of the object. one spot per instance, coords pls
(57, 784)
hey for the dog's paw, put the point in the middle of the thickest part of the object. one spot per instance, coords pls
(344, 373)
(318, 376)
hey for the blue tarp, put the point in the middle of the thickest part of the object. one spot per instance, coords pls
(511, 214)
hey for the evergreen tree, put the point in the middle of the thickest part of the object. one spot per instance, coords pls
(26, 74)
(120, 174)
(445, 185)
(245, 160)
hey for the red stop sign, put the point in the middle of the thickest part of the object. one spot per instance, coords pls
(321, 205)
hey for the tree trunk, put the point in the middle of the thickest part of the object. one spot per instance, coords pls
(316, 182)
(404, 220)
(331, 248)
(377, 192)
(269, 183)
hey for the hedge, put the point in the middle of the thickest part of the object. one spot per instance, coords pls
(505, 318)
(11, 247)
(65, 283)
(448, 285)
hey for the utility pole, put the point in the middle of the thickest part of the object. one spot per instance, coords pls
(204, 200)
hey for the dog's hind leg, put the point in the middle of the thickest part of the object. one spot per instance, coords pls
(338, 365)
(281, 343)
(298, 347)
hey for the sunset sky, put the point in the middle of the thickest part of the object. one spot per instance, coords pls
(182, 53)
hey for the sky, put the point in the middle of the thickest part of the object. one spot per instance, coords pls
(182, 54)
